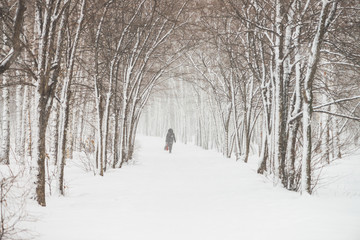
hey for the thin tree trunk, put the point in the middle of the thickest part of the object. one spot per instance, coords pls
(324, 20)
(265, 96)
(306, 164)
(235, 119)
(54, 126)
(5, 143)
(63, 135)
(71, 142)
(116, 136)
(19, 116)
(24, 123)
(336, 139)
(39, 144)
(264, 152)
(98, 97)
(81, 123)
(296, 108)
(65, 101)
(279, 91)
(325, 136)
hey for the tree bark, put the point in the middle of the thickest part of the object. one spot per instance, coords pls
(54, 127)
(19, 100)
(325, 19)
(5, 143)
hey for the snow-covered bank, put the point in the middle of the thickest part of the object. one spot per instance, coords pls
(341, 178)
(191, 194)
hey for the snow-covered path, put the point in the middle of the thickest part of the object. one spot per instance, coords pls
(191, 194)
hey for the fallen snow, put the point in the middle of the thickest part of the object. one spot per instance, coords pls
(193, 194)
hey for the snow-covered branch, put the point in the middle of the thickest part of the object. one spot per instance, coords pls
(338, 115)
(336, 101)
(297, 116)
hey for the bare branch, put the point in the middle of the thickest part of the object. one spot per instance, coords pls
(323, 105)
(337, 101)
(16, 84)
(338, 115)
(16, 43)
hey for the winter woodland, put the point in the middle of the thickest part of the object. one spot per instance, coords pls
(79, 79)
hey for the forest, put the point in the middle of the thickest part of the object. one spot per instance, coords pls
(275, 79)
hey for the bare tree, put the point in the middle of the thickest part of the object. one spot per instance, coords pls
(51, 18)
(15, 39)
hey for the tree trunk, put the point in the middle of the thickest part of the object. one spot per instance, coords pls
(264, 151)
(291, 155)
(71, 136)
(65, 101)
(235, 119)
(325, 18)
(39, 145)
(5, 143)
(63, 135)
(106, 129)
(246, 136)
(48, 70)
(325, 136)
(279, 92)
(295, 110)
(116, 136)
(19, 99)
(54, 127)
(81, 124)
(336, 139)
(306, 161)
(24, 123)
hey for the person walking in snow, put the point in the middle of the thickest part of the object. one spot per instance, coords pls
(170, 139)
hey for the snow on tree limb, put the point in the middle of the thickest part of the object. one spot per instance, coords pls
(338, 115)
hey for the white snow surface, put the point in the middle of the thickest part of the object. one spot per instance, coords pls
(194, 194)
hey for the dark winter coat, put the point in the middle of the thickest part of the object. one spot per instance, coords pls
(170, 137)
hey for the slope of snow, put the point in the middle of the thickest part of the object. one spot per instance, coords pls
(341, 178)
(191, 194)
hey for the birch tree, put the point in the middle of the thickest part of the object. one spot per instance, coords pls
(327, 14)
(65, 96)
(51, 21)
(5, 127)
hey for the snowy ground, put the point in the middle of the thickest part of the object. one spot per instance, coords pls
(195, 194)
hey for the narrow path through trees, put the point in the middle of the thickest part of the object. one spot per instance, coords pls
(190, 194)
